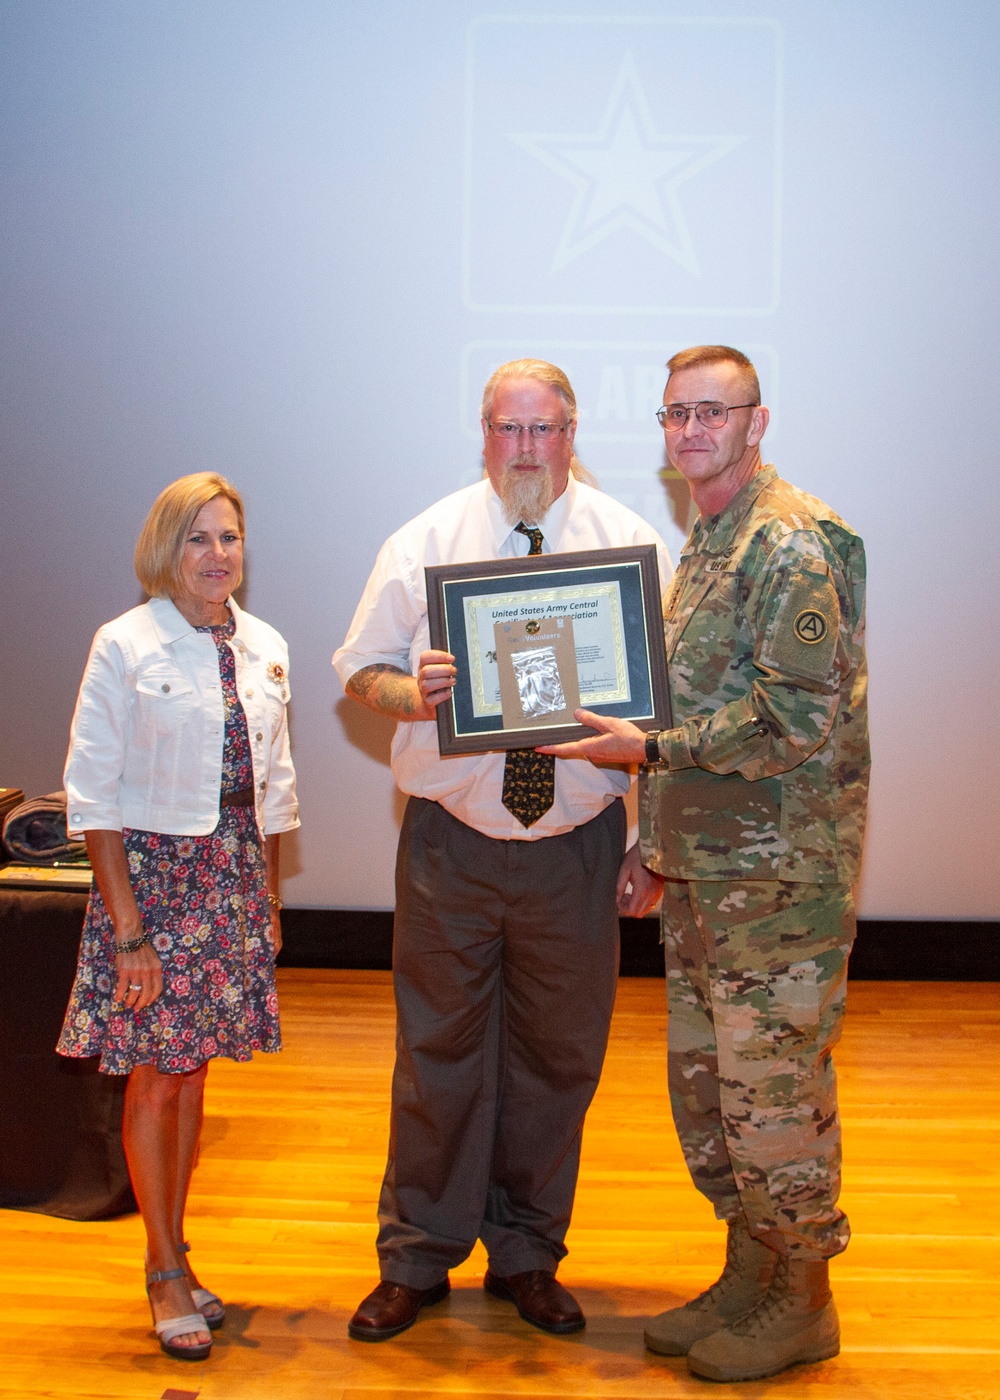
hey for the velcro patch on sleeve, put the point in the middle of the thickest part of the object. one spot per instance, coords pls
(801, 639)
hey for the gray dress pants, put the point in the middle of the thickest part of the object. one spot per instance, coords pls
(505, 964)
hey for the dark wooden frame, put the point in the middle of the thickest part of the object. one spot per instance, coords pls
(649, 644)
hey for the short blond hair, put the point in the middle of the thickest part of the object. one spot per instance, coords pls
(698, 355)
(161, 540)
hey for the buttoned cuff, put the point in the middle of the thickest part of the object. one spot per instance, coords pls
(84, 815)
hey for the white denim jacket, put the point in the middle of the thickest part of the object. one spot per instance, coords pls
(145, 746)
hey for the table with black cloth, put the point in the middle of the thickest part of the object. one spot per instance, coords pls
(60, 1120)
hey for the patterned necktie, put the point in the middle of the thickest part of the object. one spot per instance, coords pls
(529, 778)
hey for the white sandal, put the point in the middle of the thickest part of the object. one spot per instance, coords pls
(204, 1298)
(172, 1327)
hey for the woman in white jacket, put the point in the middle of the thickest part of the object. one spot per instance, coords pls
(180, 779)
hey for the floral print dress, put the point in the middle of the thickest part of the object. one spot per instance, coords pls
(203, 901)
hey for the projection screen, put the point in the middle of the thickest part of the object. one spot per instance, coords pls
(289, 241)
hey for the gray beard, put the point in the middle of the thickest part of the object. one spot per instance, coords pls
(526, 496)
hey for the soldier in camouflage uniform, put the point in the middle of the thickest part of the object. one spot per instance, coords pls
(752, 813)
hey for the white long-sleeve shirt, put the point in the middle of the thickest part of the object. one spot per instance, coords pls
(391, 627)
(145, 747)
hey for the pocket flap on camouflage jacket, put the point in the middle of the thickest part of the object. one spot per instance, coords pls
(802, 638)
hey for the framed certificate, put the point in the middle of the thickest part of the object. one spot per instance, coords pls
(536, 638)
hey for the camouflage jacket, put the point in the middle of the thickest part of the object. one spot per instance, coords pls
(765, 774)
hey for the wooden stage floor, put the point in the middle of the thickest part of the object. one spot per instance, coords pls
(282, 1222)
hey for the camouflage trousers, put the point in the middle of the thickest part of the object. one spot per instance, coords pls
(756, 987)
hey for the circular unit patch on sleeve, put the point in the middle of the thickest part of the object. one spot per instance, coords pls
(810, 626)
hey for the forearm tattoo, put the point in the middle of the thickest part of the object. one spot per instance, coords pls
(385, 688)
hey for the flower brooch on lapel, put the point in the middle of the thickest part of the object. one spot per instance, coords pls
(276, 672)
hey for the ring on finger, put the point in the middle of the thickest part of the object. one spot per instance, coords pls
(135, 986)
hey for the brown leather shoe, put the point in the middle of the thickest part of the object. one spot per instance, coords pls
(392, 1307)
(539, 1299)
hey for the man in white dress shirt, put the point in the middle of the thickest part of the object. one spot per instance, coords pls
(508, 887)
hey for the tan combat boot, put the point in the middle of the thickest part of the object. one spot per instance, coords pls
(740, 1287)
(795, 1321)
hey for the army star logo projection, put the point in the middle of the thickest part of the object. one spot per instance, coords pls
(627, 174)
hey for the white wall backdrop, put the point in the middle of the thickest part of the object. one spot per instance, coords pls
(288, 240)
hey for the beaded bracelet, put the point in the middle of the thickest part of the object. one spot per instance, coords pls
(132, 945)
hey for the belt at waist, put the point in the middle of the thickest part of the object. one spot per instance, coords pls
(243, 798)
